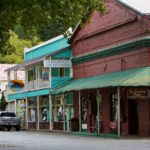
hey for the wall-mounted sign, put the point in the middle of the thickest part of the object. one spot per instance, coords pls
(138, 93)
(57, 63)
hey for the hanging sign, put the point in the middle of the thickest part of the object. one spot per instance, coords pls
(138, 93)
(57, 63)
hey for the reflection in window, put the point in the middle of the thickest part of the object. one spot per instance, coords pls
(44, 110)
(113, 107)
(32, 114)
(84, 110)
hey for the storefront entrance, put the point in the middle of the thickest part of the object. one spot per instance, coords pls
(133, 117)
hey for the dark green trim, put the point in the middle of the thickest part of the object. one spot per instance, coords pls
(114, 50)
(100, 135)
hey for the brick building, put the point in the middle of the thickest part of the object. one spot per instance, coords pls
(111, 59)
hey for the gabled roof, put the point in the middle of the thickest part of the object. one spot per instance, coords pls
(140, 6)
(36, 60)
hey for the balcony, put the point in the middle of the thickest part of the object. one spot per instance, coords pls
(30, 86)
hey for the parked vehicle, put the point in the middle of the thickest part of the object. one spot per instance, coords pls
(9, 120)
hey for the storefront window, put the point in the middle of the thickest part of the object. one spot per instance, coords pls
(43, 104)
(32, 109)
(58, 109)
(113, 107)
(84, 110)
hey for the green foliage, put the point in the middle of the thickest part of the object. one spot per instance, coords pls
(36, 17)
(18, 44)
(3, 103)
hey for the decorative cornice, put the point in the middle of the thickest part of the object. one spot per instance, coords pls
(114, 50)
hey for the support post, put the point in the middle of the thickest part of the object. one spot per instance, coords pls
(50, 112)
(118, 96)
(79, 111)
(26, 113)
(64, 121)
(98, 114)
(38, 113)
(15, 103)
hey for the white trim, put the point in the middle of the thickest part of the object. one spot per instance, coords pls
(43, 44)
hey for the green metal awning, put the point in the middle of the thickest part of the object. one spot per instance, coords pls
(132, 77)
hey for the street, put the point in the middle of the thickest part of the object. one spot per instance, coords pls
(33, 140)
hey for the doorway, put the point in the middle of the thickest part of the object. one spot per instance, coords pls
(133, 117)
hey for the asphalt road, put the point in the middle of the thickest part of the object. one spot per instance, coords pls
(27, 140)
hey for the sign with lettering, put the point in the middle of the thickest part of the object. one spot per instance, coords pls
(138, 93)
(57, 63)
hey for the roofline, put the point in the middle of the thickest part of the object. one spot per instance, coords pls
(45, 43)
(133, 8)
(35, 60)
(74, 31)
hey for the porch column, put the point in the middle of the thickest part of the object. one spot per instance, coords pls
(64, 121)
(15, 74)
(118, 96)
(15, 103)
(26, 113)
(79, 111)
(50, 112)
(98, 114)
(8, 106)
(38, 113)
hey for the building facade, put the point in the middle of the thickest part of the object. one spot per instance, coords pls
(110, 70)
(46, 66)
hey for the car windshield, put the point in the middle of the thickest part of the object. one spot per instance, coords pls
(7, 114)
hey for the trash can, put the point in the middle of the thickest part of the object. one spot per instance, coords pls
(74, 124)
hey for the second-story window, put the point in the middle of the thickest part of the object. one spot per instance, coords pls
(40, 71)
(31, 74)
(60, 72)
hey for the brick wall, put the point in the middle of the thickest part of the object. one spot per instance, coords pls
(130, 60)
(119, 25)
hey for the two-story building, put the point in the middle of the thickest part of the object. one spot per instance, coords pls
(46, 66)
(111, 68)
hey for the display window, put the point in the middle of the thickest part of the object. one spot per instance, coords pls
(32, 108)
(43, 108)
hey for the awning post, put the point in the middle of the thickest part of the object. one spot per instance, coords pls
(79, 111)
(118, 96)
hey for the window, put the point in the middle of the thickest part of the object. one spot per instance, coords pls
(45, 75)
(60, 72)
(31, 74)
(40, 71)
(113, 107)
(32, 103)
(43, 102)
(58, 109)
(84, 104)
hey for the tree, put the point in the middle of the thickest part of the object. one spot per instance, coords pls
(3, 102)
(33, 14)
(19, 44)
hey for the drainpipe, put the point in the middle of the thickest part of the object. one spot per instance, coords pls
(118, 95)
(79, 111)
